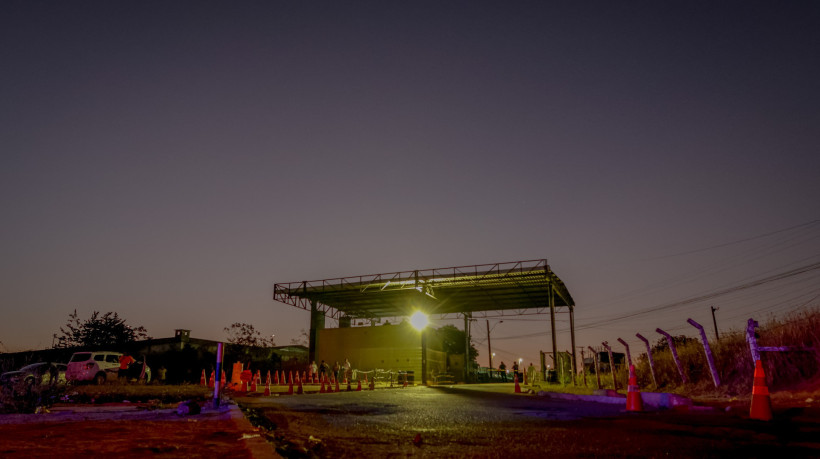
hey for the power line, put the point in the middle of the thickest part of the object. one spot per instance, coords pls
(726, 244)
(708, 296)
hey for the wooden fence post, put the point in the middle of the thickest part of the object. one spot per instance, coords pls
(597, 367)
(706, 349)
(584, 367)
(651, 361)
(611, 365)
(671, 343)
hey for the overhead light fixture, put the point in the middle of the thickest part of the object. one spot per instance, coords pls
(419, 320)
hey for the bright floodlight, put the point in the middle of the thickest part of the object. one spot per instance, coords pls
(419, 320)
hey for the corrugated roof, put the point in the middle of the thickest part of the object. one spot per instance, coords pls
(505, 288)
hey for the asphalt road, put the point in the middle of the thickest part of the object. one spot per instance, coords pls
(453, 422)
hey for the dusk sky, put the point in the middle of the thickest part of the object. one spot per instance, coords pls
(171, 161)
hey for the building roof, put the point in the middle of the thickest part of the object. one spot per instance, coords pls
(482, 290)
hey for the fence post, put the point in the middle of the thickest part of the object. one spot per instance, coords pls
(709, 357)
(628, 355)
(584, 367)
(611, 365)
(750, 338)
(217, 383)
(672, 348)
(651, 361)
(597, 367)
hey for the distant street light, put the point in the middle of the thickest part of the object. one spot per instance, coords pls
(489, 345)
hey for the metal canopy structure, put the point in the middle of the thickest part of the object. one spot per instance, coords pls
(506, 288)
(513, 288)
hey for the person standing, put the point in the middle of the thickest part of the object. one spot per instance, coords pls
(125, 362)
(515, 371)
(503, 370)
(336, 369)
(531, 373)
(346, 368)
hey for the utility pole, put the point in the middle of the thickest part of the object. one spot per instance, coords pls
(489, 346)
(714, 321)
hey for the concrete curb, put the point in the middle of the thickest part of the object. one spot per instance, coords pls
(658, 400)
(251, 438)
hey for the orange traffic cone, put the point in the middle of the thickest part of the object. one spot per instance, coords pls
(275, 377)
(224, 381)
(284, 380)
(359, 386)
(202, 381)
(300, 390)
(761, 403)
(291, 375)
(267, 384)
(290, 386)
(633, 392)
(337, 385)
(211, 380)
(322, 388)
(304, 376)
(517, 386)
(372, 384)
(253, 384)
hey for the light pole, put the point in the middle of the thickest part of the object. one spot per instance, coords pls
(489, 345)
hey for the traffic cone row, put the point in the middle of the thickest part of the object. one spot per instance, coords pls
(761, 402)
(633, 393)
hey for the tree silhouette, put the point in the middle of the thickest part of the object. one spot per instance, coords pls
(452, 340)
(100, 330)
(246, 335)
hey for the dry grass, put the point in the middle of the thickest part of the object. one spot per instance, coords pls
(794, 370)
(113, 393)
(792, 373)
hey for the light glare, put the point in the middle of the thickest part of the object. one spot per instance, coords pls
(419, 320)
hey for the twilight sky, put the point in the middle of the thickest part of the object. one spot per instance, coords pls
(171, 161)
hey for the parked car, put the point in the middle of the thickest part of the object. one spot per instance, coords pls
(101, 366)
(41, 373)
(96, 366)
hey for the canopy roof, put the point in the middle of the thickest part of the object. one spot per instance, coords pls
(504, 288)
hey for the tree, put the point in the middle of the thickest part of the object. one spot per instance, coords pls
(98, 331)
(302, 339)
(245, 335)
(681, 340)
(453, 342)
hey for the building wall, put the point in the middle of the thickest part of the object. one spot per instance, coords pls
(387, 347)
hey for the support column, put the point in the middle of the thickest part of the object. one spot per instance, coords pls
(317, 322)
(572, 338)
(551, 296)
(424, 356)
(467, 360)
